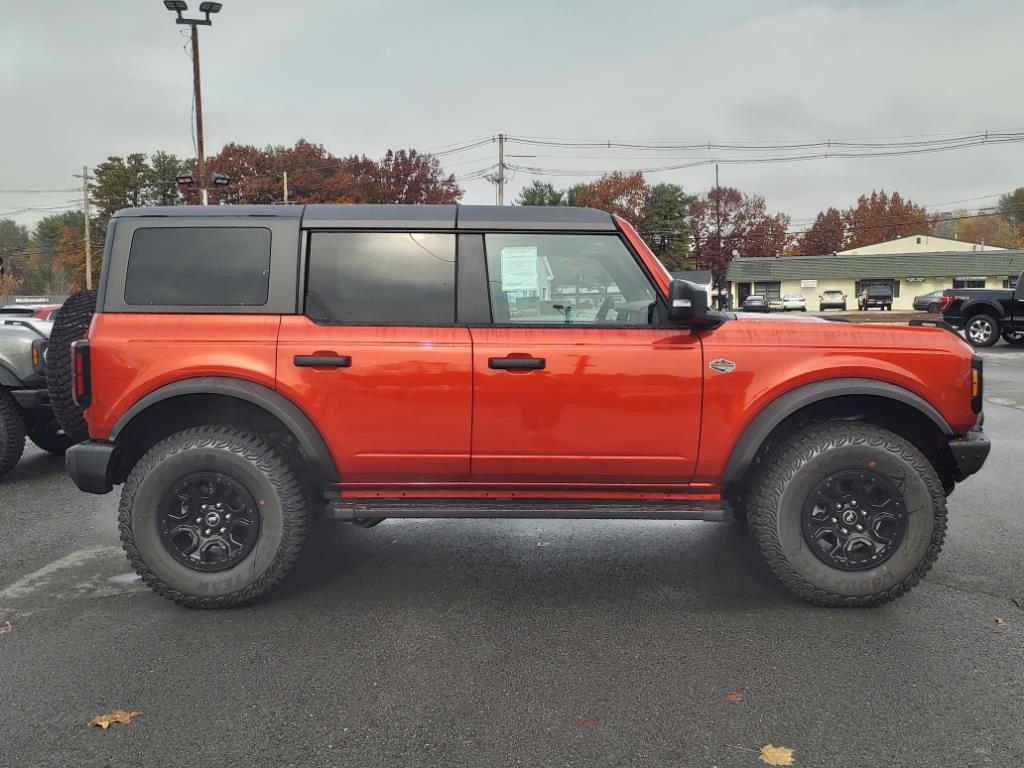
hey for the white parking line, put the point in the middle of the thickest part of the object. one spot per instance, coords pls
(49, 577)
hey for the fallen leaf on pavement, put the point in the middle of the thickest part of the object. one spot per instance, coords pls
(734, 696)
(998, 621)
(117, 716)
(6, 627)
(772, 755)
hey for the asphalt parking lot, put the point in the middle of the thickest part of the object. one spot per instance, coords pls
(515, 643)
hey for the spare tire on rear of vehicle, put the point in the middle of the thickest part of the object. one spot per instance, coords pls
(71, 324)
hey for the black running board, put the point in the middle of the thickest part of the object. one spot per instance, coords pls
(567, 509)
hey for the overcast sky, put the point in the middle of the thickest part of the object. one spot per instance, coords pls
(82, 80)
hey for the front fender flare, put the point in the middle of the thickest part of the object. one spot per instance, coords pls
(773, 414)
(311, 443)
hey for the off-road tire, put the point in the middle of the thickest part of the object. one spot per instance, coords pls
(71, 324)
(791, 471)
(12, 432)
(248, 459)
(975, 337)
(1016, 338)
(47, 434)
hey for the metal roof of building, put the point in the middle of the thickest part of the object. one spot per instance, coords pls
(884, 265)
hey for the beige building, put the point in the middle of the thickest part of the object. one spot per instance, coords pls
(919, 244)
(907, 274)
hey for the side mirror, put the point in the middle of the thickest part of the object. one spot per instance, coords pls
(688, 305)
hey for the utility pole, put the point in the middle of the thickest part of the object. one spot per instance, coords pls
(88, 236)
(501, 169)
(718, 230)
(286, 187)
(178, 7)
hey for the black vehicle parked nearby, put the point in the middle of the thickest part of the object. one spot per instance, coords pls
(929, 302)
(985, 314)
(756, 303)
(875, 296)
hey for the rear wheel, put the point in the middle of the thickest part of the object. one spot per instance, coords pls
(848, 514)
(982, 330)
(1014, 337)
(212, 517)
(933, 308)
(12, 432)
(71, 324)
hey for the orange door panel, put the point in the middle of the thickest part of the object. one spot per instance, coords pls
(582, 405)
(396, 410)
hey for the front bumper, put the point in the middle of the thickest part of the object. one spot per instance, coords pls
(969, 452)
(89, 465)
(31, 399)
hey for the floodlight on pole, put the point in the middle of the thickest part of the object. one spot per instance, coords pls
(179, 7)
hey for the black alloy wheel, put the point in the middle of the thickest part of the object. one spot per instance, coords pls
(854, 520)
(209, 521)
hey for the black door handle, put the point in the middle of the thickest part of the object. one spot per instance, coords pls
(516, 363)
(322, 361)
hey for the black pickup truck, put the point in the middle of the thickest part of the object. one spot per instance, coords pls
(985, 314)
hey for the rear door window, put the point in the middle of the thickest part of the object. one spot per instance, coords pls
(381, 278)
(199, 266)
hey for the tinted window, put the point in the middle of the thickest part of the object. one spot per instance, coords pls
(381, 278)
(199, 266)
(566, 279)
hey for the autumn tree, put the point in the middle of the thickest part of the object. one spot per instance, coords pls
(882, 217)
(70, 256)
(14, 254)
(826, 235)
(541, 193)
(622, 194)
(406, 176)
(747, 230)
(317, 176)
(989, 227)
(665, 225)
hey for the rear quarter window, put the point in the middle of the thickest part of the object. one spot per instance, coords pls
(199, 266)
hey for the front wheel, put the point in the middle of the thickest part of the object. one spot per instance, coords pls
(847, 514)
(982, 330)
(47, 434)
(212, 517)
(12, 432)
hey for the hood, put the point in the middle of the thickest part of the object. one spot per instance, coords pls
(767, 317)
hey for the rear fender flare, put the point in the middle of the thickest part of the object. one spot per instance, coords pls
(981, 307)
(311, 443)
(773, 414)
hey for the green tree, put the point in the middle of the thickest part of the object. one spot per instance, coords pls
(161, 177)
(665, 225)
(14, 240)
(120, 182)
(41, 276)
(541, 193)
(1012, 204)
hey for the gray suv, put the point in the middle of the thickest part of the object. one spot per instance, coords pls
(24, 399)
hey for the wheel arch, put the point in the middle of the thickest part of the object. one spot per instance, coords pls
(216, 399)
(889, 405)
(982, 308)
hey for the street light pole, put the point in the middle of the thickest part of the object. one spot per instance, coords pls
(198, 91)
(178, 7)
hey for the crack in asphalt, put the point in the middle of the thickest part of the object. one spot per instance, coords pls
(1018, 602)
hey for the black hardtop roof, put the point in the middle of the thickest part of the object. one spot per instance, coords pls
(473, 217)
